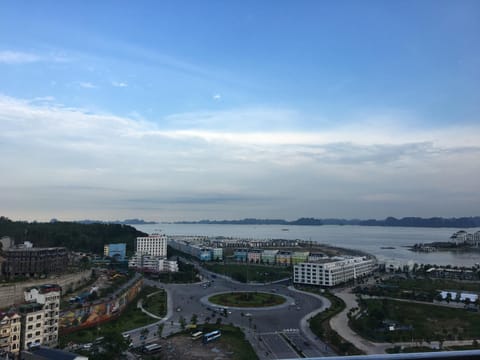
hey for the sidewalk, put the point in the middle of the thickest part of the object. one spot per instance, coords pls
(339, 323)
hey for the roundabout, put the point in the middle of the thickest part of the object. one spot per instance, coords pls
(247, 299)
(251, 300)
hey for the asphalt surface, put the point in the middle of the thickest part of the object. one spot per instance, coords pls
(263, 326)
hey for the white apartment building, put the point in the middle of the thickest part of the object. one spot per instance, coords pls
(154, 245)
(41, 316)
(10, 332)
(332, 271)
(168, 265)
(32, 325)
(152, 263)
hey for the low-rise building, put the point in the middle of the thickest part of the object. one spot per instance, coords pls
(332, 271)
(268, 256)
(115, 251)
(283, 258)
(312, 257)
(254, 256)
(10, 327)
(240, 255)
(149, 263)
(299, 256)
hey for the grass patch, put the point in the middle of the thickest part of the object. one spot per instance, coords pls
(247, 299)
(156, 303)
(251, 273)
(420, 289)
(234, 339)
(320, 324)
(131, 318)
(418, 321)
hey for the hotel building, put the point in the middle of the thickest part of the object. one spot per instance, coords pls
(332, 271)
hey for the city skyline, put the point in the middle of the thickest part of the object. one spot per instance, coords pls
(188, 111)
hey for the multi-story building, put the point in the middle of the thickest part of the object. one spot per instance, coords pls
(116, 251)
(240, 255)
(299, 256)
(150, 263)
(268, 256)
(168, 265)
(254, 256)
(332, 271)
(217, 253)
(32, 261)
(155, 245)
(10, 332)
(283, 258)
(312, 257)
(42, 324)
(32, 325)
(198, 250)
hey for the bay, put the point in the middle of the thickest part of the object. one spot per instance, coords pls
(371, 239)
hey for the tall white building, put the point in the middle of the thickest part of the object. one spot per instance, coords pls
(154, 245)
(40, 316)
(332, 271)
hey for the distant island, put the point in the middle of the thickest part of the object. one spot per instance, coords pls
(121, 222)
(434, 222)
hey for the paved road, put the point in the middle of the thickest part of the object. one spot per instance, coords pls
(188, 299)
(339, 323)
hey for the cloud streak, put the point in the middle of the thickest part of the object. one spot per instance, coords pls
(19, 57)
(179, 168)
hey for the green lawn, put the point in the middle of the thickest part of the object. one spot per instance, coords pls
(428, 285)
(320, 324)
(251, 273)
(429, 322)
(156, 304)
(247, 299)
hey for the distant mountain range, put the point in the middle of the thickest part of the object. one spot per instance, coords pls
(122, 222)
(435, 222)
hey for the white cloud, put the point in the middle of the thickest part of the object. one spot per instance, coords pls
(216, 97)
(119, 84)
(79, 162)
(17, 57)
(20, 57)
(86, 85)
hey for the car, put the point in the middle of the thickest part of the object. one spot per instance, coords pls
(87, 346)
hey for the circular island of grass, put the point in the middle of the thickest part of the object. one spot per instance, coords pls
(247, 299)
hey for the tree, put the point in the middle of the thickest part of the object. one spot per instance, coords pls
(182, 322)
(194, 318)
(144, 334)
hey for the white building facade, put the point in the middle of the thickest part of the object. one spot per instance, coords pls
(41, 316)
(154, 245)
(332, 271)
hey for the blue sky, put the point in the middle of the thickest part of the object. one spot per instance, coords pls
(191, 110)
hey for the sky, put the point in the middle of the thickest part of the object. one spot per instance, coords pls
(189, 110)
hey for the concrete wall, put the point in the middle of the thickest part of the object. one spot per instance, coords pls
(12, 293)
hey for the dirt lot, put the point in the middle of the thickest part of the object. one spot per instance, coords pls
(183, 347)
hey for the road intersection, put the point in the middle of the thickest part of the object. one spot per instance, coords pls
(276, 332)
